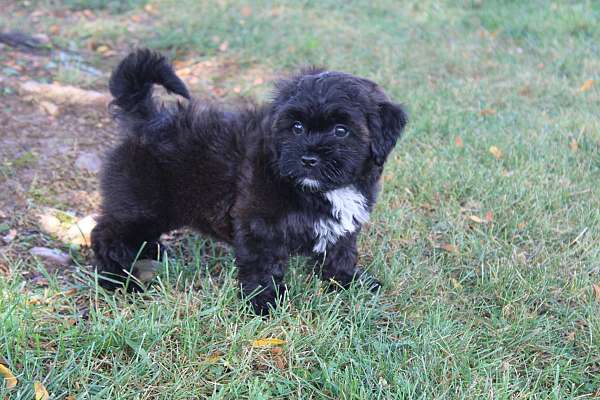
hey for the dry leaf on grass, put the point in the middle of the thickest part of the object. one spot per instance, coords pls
(102, 49)
(9, 378)
(596, 289)
(456, 284)
(450, 248)
(496, 152)
(280, 362)
(587, 85)
(476, 219)
(487, 111)
(573, 145)
(40, 391)
(246, 11)
(214, 357)
(267, 342)
(150, 9)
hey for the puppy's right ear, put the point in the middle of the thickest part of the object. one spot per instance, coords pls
(386, 129)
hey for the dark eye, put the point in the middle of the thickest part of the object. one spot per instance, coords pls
(341, 131)
(298, 128)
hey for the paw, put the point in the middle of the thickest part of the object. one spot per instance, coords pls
(262, 307)
(265, 299)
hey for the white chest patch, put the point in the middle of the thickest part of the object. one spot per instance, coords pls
(349, 212)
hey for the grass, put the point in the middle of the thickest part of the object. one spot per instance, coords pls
(500, 308)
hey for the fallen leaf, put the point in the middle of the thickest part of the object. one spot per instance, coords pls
(40, 281)
(267, 342)
(487, 111)
(69, 293)
(280, 362)
(596, 288)
(136, 18)
(573, 145)
(496, 152)
(102, 49)
(277, 11)
(276, 350)
(70, 397)
(9, 378)
(34, 301)
(40, 391)
(476, 219)
(214, 357)
(570, 336)
(489, 217)
(183, 72)
(450, 248)
(178, 64)
(525, 91)
(150, 9)
(458, 142)
(49, 108)
(246, 11)
(587, 85)
(456, 284)
(521, 225)
(224, 46)
(80, 232)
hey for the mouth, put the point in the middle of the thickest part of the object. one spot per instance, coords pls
(310, 184)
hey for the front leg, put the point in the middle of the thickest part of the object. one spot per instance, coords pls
(261, 262)
(338, 265)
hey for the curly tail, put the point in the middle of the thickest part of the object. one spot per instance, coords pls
(131, 87)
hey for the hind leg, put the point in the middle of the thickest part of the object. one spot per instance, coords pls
(118, 243)
(134, 213)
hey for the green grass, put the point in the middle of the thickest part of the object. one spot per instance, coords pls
(511, 314)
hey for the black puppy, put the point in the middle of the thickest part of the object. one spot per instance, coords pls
(298, 175)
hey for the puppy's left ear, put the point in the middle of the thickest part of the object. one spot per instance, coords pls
(386, 129)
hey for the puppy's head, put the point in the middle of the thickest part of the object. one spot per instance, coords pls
(330, 126)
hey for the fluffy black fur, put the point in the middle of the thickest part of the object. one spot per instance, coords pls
(256, 178)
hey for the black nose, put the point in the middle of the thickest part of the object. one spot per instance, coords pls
(309, 161)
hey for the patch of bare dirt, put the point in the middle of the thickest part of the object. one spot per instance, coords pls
(41, 148)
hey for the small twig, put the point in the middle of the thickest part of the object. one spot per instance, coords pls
(579, 236)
